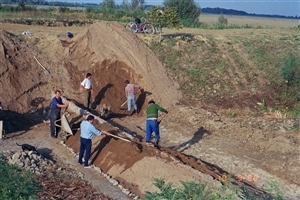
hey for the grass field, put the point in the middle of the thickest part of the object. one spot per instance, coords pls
(253, 21)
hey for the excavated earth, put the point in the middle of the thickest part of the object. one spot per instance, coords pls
(197, 144)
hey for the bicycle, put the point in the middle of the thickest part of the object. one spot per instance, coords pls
(146, 28)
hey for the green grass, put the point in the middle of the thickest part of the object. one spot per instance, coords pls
(190, 190)
(16, 184)
(245, 63)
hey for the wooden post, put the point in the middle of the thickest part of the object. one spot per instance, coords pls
(1, 129)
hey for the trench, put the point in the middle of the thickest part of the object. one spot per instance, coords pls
(127, 161)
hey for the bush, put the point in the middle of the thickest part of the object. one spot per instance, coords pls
(190, 190)
(64, 9)
(222, 20)
(290, 72)
(198, 191)
(15, 183)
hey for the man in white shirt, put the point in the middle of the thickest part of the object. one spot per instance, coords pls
(86, 84)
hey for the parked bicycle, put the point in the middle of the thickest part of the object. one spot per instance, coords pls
(146, 28)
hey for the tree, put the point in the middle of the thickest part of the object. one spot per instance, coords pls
(164, 17)
(138, 4)
(108, 4)
(125, 4)
(186, 9)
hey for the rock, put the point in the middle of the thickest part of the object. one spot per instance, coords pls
(81, 175)
(113, 181)
(27, 162)
(121, 187)
(98, 169)
(16, 156)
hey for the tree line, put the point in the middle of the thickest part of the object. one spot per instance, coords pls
(187, 9)
(242, 13)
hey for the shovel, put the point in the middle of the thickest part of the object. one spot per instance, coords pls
(47, 73)
(117, 137)
(126, 101)
(161, 119)
(123, 103)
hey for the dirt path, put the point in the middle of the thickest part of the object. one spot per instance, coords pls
(39, 136)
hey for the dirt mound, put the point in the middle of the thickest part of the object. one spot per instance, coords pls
(106, 49)
(21, 77)
(113, 54)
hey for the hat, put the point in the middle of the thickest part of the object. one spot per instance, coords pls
(151, 101)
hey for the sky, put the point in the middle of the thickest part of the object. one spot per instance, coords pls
(268, 7)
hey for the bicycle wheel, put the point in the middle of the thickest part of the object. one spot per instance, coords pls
(157, 29)
(128, 25)
(148, 29)
(134, 28)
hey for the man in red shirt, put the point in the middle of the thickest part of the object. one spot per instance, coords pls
(130, 94)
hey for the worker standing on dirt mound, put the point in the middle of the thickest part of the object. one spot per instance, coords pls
(86, 84)
(88, 130)
(55, 107)
(130, 94)
(152, 123)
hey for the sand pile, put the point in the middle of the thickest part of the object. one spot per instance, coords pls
(23, 81)
(113, 54)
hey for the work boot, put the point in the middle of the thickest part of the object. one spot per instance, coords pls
(148, 143)
(129, 114)
(156, 144)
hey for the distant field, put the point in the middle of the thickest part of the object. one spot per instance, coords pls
(45, 7)
(264, 22)
(255, 22)
(57, 7)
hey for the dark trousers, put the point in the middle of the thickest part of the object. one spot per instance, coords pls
(54, 115)
(85, 145)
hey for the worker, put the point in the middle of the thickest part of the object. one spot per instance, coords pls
(88, 130)
(152, 124)
(130, 94)
(86, 84)
(55, 107)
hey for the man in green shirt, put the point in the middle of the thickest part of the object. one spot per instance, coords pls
(152, 123)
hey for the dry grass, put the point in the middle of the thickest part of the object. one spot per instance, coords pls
(253, 21)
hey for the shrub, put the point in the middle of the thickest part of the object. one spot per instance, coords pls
(190, 190)
(222, 20)
(196, 190)
(64, 9)
(290, 72)
(15, 183)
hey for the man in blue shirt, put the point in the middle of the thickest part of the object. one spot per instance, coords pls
(88, 130)
(55, 107)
